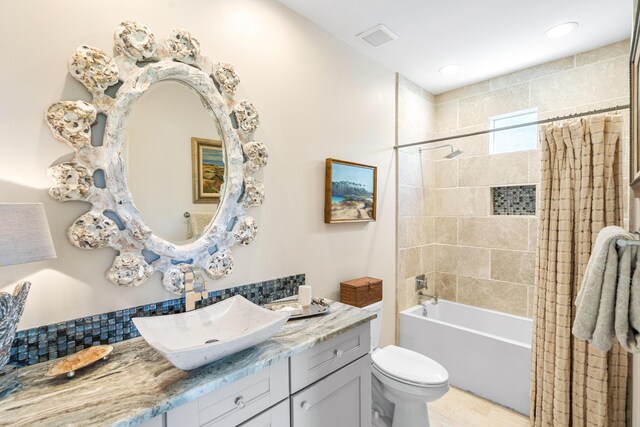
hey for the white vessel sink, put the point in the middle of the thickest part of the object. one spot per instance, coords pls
(193, 339)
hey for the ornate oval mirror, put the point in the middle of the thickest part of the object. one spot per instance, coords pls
(103, 165)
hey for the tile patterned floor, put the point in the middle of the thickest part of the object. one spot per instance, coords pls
(461, 409)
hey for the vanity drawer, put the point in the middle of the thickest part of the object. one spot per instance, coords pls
(329, 356)
(236, 402)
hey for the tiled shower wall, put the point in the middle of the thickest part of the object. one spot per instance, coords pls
(470, 255)
(486, 260)
(415, 235)
(483, 259)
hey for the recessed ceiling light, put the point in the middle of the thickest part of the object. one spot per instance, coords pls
(560, 30)
(450, 69)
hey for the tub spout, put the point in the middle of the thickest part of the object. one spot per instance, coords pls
(426, 298)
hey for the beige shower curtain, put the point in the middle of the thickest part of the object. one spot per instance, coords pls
(572, 384)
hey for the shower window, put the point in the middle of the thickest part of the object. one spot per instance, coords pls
(519, 139)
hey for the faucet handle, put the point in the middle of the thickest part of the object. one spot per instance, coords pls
(193, 278)
(199, 284)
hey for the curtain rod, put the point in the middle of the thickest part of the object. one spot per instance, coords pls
(539, 122)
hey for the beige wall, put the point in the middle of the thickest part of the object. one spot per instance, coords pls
(415, 235)
(474, 257)
(317, 98)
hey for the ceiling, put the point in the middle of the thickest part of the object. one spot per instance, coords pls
(487, 38)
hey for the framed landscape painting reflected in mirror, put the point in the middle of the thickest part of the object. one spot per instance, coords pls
(350, 192)
(208, 169)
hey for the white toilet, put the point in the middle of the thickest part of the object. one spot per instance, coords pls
(403, 381)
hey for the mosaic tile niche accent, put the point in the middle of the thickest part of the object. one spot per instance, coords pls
(49, 342)
(514, 200)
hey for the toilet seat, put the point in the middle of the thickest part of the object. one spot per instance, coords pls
(407, 390)
(409, 367)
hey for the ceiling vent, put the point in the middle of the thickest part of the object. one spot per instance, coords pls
(378, 35)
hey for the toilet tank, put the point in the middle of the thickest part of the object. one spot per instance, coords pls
(375, 324)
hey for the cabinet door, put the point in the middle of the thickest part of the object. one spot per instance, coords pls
(277, 416)
(343, 399)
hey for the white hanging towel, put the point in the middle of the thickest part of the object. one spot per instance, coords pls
(601, 312)
(627, 321)
(198, 221)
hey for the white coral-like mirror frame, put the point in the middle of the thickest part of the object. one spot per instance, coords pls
(140, 62)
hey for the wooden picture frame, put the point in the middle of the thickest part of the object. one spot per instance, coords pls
(350, 192)
(208, 170)
(634, 98)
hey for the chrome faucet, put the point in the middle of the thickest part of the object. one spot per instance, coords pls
(422, 297)
(424, 302)
(195, 288)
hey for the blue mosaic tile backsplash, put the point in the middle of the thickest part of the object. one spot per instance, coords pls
(514, 200)
(49, 342)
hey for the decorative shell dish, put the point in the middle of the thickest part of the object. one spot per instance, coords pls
(70, 364)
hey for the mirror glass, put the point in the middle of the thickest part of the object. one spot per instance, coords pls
(174, 159)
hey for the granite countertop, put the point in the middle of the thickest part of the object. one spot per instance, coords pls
(137, 383)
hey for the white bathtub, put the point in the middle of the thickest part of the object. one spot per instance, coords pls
(486, 352)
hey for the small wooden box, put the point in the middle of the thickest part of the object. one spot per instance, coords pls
(361, 292)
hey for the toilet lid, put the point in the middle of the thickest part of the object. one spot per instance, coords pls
(408, 366)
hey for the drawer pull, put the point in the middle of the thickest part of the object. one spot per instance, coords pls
(305, 405)
(240, 403)
(338, 353)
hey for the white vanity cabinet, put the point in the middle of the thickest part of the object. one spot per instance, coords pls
(328, 384)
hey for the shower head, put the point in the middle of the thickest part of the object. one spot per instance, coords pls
(451, 155)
